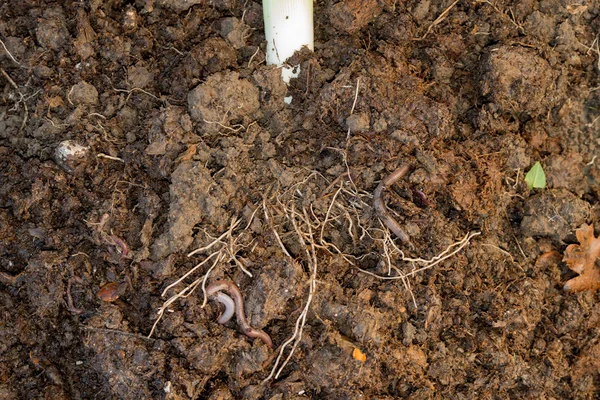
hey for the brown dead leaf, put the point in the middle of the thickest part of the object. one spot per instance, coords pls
(581, 258)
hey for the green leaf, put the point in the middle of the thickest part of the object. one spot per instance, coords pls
(536, 178)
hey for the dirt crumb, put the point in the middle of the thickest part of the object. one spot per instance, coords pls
(52, 32)
(83, 93)
(554, 213)
(194, 196)
(351, 16)
(223, 99)
(517, 80)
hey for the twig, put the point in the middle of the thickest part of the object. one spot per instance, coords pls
(102, 155)
(253, 55)
(9, 79)
(354, 103)
(11, 56)
(10, 280)
(439, 19)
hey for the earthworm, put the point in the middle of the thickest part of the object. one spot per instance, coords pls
(420, 197)
(120, 244)
(380, 208)
(229, 307)
(232, 289)
(70, 306)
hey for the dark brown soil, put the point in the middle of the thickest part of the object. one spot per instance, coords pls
(133, 132)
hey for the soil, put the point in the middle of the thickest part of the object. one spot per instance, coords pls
(134, 132)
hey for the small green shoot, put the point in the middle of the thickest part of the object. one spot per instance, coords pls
(536, 178)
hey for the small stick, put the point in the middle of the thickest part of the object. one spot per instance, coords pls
(439, 19)
(381, 209)
(233, 290)
(354, 103)
(102, 155)
(9, 79)
(10, 55)
(10, 280)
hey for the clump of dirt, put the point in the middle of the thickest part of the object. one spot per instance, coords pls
(516, 80)
(135, 133)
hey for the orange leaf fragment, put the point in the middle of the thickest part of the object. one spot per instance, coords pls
(548, 259)
(111, 291)
(581, 258)
(359, 355)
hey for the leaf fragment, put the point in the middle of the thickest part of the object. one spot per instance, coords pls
(536, 178)
(359, 355)
(582, 258)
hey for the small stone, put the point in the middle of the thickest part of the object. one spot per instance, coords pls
(130, 19)
(68, 155)
(83, 93)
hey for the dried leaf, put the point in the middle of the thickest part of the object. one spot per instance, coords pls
(581, 258)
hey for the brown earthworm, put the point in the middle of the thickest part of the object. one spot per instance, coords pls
(381, 209)
(120, 244)
(229, 307)
(70, 306)
(232, 289)
(419, 198)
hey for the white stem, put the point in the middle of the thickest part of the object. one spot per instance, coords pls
(288, 28)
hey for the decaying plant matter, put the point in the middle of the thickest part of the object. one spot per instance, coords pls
(583, 258)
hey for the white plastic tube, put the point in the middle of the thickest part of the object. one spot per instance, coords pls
(288, 28)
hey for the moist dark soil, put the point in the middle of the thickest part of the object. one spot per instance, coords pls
(134, 132)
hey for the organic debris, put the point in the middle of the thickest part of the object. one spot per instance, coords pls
(548, 259)
(536, 178)
(111, 291)
(359, 355)
(582, 259)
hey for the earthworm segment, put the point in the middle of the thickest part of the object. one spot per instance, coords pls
(214, 291)
(380, 207)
